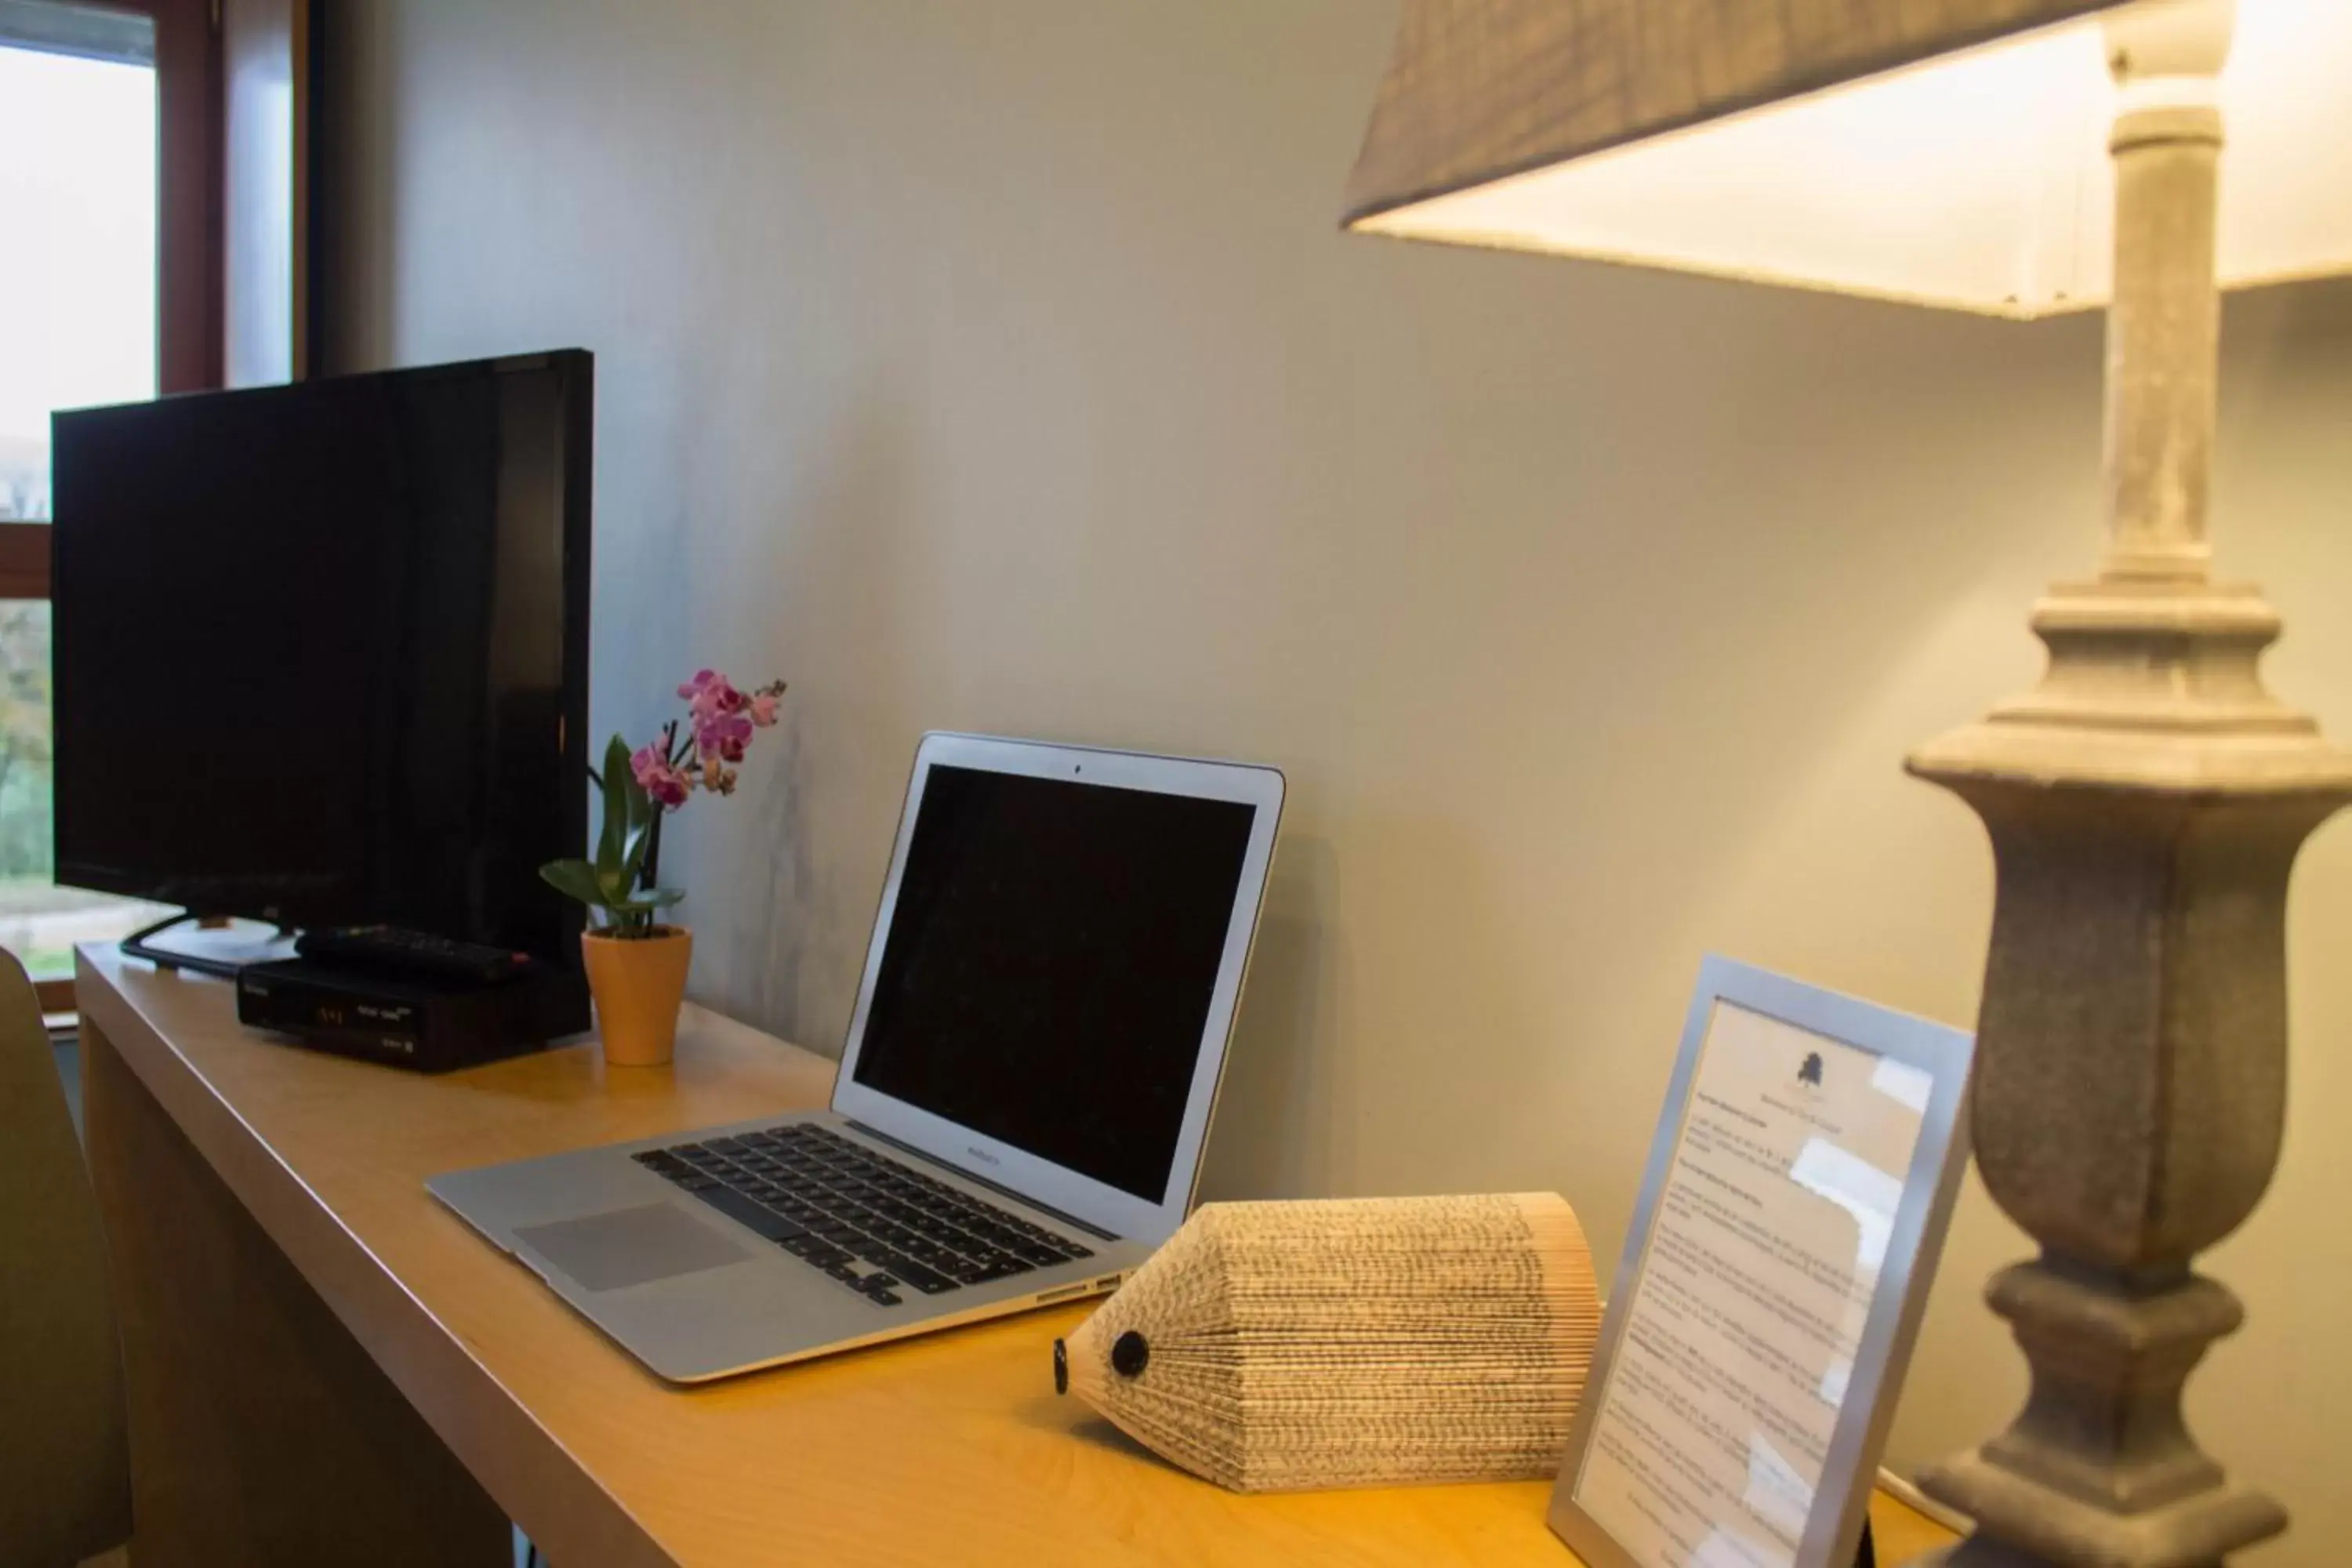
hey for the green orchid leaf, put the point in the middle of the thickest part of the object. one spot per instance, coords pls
(632, 857)
(618, 777)
(642, 809)
(646, 903)
(644, 824)
(641, 805)
(575, 880)
(615, 885)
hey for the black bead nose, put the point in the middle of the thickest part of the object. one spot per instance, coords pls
(1129, 1354)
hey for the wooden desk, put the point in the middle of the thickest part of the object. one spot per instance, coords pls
(326, 1366)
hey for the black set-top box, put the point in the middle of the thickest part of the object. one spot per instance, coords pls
(426, 1022)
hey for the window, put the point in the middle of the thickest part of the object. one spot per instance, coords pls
(82, 251)
(77, 270)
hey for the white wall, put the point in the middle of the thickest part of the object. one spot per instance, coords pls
(998, 367)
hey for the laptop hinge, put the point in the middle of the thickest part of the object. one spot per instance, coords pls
(1022, 1198)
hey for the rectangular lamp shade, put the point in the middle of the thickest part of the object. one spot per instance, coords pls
(1949, 153)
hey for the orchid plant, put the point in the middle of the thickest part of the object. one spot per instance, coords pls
(703, 751)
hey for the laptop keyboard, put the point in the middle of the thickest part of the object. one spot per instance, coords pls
(873, 1224)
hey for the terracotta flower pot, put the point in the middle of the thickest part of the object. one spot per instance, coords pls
(639, 985)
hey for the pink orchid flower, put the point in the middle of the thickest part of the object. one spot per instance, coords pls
(710, 693)
(665, 785)
(764, 707)
(723, 736)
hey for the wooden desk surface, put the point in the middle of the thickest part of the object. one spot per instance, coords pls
(946, 1450)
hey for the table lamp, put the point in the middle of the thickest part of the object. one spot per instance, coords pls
(2146, 801)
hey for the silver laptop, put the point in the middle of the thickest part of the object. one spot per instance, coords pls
(1023, 1100)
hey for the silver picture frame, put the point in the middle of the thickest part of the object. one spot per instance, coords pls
(1840, 1502)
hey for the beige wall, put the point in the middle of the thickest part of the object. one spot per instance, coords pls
(998, 367)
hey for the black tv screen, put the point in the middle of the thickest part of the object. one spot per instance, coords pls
(322, 649)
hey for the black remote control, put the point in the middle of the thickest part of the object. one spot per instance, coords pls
(390, 950)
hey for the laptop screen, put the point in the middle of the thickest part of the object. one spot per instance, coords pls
(1050, 963)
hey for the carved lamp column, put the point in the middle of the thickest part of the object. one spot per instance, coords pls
(2146, 802)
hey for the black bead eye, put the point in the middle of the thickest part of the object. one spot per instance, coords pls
(1129, 1354)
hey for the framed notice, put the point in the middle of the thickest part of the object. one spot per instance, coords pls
(1789, 1220)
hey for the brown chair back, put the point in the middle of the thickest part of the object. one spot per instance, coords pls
(65, 1471)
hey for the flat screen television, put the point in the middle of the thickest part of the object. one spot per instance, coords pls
(321, 650)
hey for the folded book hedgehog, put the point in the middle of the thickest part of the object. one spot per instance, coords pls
(1291, 1346)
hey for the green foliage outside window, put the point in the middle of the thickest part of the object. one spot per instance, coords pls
(25, 757)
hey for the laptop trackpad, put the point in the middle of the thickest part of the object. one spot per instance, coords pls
(630, 1246)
